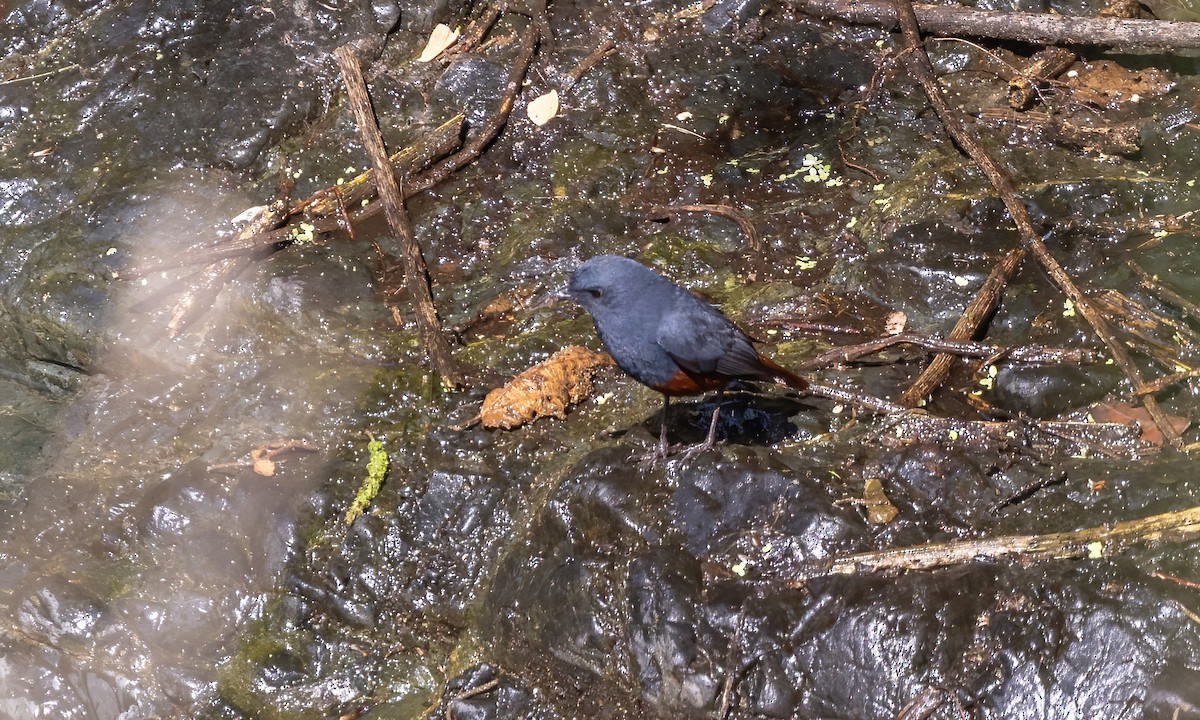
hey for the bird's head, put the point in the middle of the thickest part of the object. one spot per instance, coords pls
(607, 281)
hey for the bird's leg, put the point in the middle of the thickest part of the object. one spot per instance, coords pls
(663, 449)
(710, 441)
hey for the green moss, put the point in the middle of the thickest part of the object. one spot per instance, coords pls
(377, 467)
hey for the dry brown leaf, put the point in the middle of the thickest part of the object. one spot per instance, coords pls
(441, 38)
(1106, 84)
(546, 389)
(880, 510)
(1124, 414)
(544, 108)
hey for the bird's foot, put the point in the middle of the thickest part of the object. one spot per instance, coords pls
(700, 448)
(661, 453)
(657, 455)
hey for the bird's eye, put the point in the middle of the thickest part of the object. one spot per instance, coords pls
(595, 292)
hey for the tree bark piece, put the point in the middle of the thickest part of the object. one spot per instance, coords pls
(1039, 28)
(416, 275)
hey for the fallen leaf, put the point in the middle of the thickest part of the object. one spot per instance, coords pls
(441, 38)
(1106, 84)
(880, 510)
(1125, 414)
(544, 108)
(546, 389)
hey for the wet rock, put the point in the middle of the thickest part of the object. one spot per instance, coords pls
(601, 588)
(418, 16)
(472, 84)
(482, 693)
(567, 587)
(63, 614)
(1046, 392)
(1175, 694)
(740, 494)
(675, 677)
(726, 12)
(934, 486)
(282, 668)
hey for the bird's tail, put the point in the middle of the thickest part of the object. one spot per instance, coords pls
(783, 376)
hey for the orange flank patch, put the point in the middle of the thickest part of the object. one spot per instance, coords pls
(683, 384)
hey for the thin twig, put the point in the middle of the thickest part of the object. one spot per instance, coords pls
(1190, 584)
(39, 76)
(1033, 354)
(924, 705)
(974, 315)
(1162, 383)
(198, 296)
(470, 693)
(474, 33)
(726, 211)
(911, 424)
(577, 72)
(489, 130)
(1041, 482)
(322, 206)
(1152, 284)
(359, 191)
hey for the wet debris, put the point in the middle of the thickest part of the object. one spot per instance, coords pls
(264, 459)
(543, 108)
(880, 510)
(1106, 84)
(544, 390)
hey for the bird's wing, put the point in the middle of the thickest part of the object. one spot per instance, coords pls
(704, 342)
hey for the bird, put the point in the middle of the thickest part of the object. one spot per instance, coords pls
(668, 339)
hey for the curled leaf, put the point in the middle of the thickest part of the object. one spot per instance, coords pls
(546, 389)
(441, 38)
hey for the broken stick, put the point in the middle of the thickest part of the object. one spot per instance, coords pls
(1094, 542)
(416, 275)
